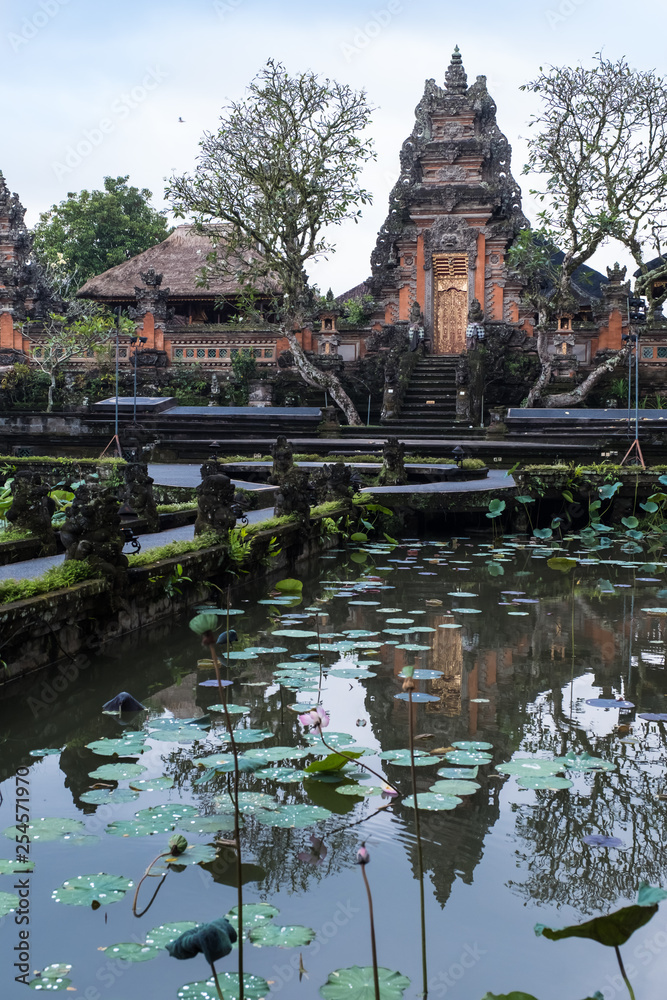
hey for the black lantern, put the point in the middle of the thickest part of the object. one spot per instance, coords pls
(458, 454)
(127, 515)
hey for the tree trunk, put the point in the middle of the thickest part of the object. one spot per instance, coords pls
(52, 386)
(579, 394)
(323, 380)
(544, 377)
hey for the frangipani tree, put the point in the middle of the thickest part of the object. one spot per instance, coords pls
(283, 166)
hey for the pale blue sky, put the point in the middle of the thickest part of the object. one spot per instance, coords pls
(118, 76)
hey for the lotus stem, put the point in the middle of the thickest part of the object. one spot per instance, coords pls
(376, 979)
(420, 859)
(237, 828)
(355, 760)
(217, 984)
(149, 874)
(623, 972)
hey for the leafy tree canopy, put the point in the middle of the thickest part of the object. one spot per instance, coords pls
(92, 231)
(283, 166)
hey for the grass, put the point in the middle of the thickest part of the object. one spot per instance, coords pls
(174, 508)
(57, 578)
(14, 535)
(174, 549)
(13, 460)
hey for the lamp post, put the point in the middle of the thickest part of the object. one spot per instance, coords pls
(636, 315)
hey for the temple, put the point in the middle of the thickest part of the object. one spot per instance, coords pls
(439, 263)
(453, 213)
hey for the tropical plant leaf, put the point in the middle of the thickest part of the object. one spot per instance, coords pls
(356, 983)
(332, 762)
(289, 586)
(615, 928)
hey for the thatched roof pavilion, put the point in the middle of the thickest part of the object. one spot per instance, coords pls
(179, 259)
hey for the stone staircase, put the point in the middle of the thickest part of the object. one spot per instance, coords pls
(429, 404)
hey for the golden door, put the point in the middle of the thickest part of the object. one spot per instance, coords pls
(450, 273)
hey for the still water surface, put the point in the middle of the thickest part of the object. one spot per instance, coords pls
(518, 653)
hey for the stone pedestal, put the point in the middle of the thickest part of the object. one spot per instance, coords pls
(260, 393)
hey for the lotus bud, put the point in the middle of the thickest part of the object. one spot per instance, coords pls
(177, 844)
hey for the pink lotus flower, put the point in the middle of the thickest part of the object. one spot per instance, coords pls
(315, 720)
(363, 857)
(317, 853)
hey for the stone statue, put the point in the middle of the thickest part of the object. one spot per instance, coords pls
(283, 462)
(331, 482)
(32, 509)
(215, 496)
(416, 327)
(92, 531)
(138, 493)
(215, 390)
(294, 494)
(393, 470)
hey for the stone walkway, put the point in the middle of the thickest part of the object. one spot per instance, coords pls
(31, 568)
(188, 475)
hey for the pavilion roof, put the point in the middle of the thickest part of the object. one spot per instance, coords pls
(180, 259)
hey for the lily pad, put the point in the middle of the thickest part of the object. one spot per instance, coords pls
(53, 978)
(10, 867)
(357, 983)
(194, 854)
(548, 781)
(468, 757)
(359, 790)
(454, 773)
(283, 775)
(417, 696)
(267, 934)
(251, 735)
(269, 754)
(254, 987)
(160, 937)
(253, 914)
(121, 748)
(232, 709)
(132, 951)
(472, 745)
(117, 772)
(150, 784)
(584, 762)
(433, 801)
(107, 796)
(530, 767)
(88, 890)
(9, 902)
(48, 828)
(454, 786)
(298, 816)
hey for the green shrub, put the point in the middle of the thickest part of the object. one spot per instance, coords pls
(174, 508)
(57, 578)
(472, 464)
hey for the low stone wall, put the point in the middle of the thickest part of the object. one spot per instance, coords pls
(73, 623)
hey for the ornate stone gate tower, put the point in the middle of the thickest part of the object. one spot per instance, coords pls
(452, 216)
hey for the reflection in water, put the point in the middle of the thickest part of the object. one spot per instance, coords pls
(517, 674)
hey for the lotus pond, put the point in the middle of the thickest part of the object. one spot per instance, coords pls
(538, 721)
